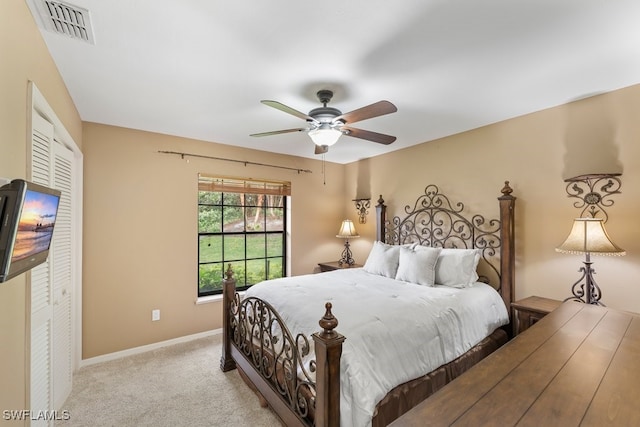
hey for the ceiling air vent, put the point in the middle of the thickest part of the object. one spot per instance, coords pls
(66, 19)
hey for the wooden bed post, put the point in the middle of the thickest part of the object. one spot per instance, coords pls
(381, 219)
(228, 294)
(328, 346)
(507, 247)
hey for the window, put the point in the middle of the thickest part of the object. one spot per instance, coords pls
(241, 222)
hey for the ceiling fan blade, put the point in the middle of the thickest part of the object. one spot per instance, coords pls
(379, 108)
(279, 106)
(277, 132)
(380, 138)
(321, 149)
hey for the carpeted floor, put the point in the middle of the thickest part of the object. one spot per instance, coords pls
(180, 385)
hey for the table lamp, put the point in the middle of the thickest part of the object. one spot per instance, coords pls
(588, 236)
(347, 231)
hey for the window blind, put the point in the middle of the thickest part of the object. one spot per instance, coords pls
(243, 185)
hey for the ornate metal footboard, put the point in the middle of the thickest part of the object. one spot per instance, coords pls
(257, 341)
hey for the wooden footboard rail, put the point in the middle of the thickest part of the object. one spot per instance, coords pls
(256, 341)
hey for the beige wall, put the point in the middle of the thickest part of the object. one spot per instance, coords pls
(535, 153)
(23, 57)
(140, 231)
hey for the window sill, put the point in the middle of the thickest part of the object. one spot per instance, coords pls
(212, 298)
(208, 299)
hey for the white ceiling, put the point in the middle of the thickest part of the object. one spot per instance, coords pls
(199, 68)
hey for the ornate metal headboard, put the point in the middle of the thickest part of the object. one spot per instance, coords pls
(435, 221)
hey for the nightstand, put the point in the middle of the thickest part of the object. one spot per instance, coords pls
(334, 265)
(531, 309)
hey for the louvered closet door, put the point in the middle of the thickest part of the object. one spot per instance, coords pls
(62, 262)
(41, 289)
(51, 282)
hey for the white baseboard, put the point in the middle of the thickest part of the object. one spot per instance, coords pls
(145, 348)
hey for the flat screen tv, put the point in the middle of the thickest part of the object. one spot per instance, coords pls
(28, 213)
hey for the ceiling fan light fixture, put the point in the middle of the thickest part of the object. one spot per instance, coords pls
(326, 124)
(325, 135)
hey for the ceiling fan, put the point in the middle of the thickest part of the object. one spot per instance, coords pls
(326, 124)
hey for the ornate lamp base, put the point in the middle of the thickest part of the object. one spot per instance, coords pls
(587, 292)
(347, 257)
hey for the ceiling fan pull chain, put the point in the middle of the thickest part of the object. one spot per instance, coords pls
(324, 174)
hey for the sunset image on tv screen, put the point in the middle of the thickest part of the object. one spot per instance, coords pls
(36, 225)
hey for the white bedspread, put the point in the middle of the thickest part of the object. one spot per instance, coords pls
(395, 331)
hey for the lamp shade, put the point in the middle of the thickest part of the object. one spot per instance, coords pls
(347, 230)
(588, 235)
(325, 135)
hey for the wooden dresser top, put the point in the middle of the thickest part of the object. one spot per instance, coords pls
(579, 365)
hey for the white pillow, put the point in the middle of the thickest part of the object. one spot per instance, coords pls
(457, 267)
(383, 260)
(418, 267)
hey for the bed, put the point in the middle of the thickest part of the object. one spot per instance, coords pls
(312, 375)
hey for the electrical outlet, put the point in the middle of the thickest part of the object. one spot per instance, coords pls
(155, 315)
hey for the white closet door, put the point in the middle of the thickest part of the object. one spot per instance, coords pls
(61, 265)
(52, 165)
(41, 383)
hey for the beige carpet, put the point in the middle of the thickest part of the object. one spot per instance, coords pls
(180, 385)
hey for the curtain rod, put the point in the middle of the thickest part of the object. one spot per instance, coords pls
(245, 162)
